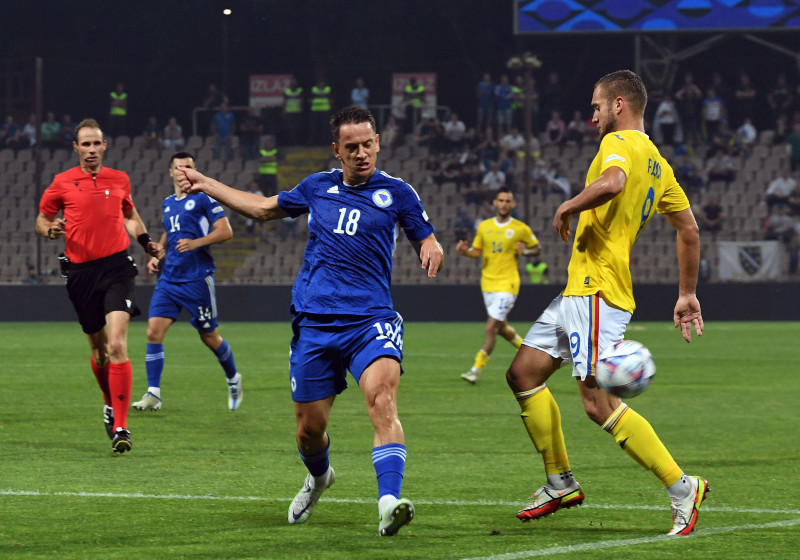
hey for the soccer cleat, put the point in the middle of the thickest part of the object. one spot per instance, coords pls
(149, 402)
(684, 511)
(471, 376)
(303, 504)
(235, 391)
(548, 500)
(122, 441)
(394, 516)
(108, 420)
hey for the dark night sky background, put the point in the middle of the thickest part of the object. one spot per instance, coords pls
(167, 52)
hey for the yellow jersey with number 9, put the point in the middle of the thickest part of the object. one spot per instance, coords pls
(604, 237)
(500, 272)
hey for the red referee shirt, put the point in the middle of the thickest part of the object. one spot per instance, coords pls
(93, 206)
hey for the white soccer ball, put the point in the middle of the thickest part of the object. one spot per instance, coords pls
(625, 369)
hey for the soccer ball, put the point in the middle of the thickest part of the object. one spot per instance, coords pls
(626, 369)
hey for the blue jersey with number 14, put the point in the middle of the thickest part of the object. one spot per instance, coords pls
(189, 217)
(347, 267)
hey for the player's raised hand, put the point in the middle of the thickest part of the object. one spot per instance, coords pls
(189, 180)
(687, 313)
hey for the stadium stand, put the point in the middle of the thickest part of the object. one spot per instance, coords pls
(276, 261)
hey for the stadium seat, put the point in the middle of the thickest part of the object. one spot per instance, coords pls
(121, 142)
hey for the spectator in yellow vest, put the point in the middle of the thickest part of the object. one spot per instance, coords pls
(292, 112)
(537, 271)
(268, 167)
(118, 112)
(321, 104)
(413, 96)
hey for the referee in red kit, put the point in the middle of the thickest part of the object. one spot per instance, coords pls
(97, 216)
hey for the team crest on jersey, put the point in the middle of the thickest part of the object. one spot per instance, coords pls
(189, 204)
(382, 198)
(509, 233)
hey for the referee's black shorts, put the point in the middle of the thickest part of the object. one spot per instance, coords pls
(100, 286)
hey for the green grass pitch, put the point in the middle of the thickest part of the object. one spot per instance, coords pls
(204, 482)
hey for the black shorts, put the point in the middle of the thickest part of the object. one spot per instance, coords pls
(98, 287)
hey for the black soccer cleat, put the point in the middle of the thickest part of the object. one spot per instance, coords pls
(122, 441)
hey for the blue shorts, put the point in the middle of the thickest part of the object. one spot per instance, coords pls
(198, 297)
(325, 347)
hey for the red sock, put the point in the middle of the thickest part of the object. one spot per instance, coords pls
(101, 374)
(120, 381)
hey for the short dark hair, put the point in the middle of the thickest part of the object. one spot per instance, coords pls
(350, 115)
(179, 155)
(625, 84)
(88, 123)
(504, 190)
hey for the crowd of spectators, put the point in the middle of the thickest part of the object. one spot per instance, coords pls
(708, 124)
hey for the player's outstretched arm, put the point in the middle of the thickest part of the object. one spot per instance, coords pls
(245, 203)
(598, 192)
(687, 309)
(431, 254)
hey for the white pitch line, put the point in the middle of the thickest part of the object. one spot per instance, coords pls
(557, 550)
(455, 503)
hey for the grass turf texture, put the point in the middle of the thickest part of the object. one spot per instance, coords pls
(204, 482)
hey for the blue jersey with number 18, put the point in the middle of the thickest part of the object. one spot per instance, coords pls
(353, 230)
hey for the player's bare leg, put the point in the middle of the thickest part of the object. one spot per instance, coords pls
(379, 384)
(313, 444)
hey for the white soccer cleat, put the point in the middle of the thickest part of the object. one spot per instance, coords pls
(235, 391)
(394, 516)
(471, 376)
(547, 500)
(149, 402)
(303, 504)
(685, 511)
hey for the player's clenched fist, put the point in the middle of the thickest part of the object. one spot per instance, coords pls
(189, 179)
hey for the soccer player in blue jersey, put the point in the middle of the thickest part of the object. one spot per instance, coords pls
(192, 223)
(343, 313)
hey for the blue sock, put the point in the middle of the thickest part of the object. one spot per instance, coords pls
(390, 462)
(154, 363)
(225, 356)
(318, 463)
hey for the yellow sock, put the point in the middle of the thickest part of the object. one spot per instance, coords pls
(481, 359)
(637, 438)
(542, 420)
(517, 342)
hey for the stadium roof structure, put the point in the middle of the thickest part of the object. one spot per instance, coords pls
(638, 16)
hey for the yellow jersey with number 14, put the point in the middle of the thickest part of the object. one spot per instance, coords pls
(604, 236)
(500, 272)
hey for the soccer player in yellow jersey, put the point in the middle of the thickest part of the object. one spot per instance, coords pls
(500, 241)
(627, 182)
